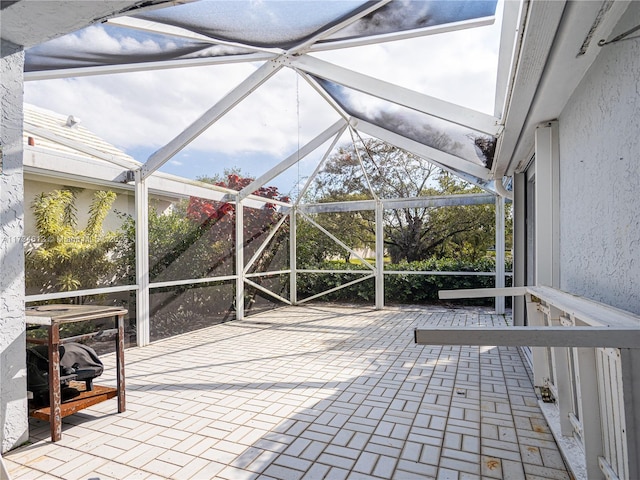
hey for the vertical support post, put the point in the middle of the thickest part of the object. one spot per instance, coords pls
(590, 410)
(500, 246)
(142, 260)
(547, 206)
(239, 260)
(562, 377)
(519, 245)
(293, 256)
(630, 359)
(120, 381)
(379, 255)
(547, 240)
(541, 372)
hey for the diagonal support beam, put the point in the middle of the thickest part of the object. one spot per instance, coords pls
(440, 158)
(334, 130)
(337, 27)
(450, 112)
(211, 116)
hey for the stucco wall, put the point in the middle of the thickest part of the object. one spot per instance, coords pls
(13, 388)
(600, 177)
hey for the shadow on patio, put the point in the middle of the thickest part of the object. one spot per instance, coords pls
(309, 392)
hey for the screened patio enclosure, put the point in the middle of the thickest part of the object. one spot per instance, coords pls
(290, 44)
(563, 123)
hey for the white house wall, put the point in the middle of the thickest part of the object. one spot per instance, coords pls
(600, 177)
(13, 382)
(124, 203)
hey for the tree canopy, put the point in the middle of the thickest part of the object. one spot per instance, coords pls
(375, 169)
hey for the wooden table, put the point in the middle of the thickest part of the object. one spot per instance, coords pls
(51, 317)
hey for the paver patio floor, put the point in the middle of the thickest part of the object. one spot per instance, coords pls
(309, 392)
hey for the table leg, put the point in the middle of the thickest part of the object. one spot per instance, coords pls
(55, 395)
(120, 363)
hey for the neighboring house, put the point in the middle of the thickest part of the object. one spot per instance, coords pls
(51, 140)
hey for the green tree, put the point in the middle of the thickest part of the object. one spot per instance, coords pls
(411, 234)
(63, 257)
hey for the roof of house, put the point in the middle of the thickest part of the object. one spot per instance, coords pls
(65, 134)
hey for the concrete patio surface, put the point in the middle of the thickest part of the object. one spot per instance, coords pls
(309, 392)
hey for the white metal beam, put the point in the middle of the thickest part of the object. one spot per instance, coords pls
(591, 337)
(317, 169)
(264, 244)
(500, 246)
(335, 129)
(338, 241)
(401, 35)
(304, 46)
(146, 66)
(142, 261)
(455, 165)
(239, 239)
(450, 112)
(211, 116)
(171, 30)
(379, 271)
(395, 203)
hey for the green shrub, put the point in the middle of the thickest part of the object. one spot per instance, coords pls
(399, 288)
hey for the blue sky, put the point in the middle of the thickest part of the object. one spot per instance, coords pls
(140, 112)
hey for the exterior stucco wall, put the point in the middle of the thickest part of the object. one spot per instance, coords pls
(13, 388)
(600, 178)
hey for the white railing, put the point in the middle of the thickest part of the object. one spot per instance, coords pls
(586, 365)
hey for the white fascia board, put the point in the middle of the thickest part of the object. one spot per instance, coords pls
(542, 20)
(239, 93)
(510, 41)
(304, 46)
(450, 112)
(438, 157)
(402, 35)
(146, 66)
(81, 147)
(65, 165)
(173, 31)
(334, 130)
(60, 165)
(564, 69)
(398, 203)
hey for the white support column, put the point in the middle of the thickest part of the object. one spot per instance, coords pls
(547, 206)
(562, 377)
(519, 245)
(541, 367)
(590, 410)
(547, 239)
(142, 260)
(293, 256)
(14, 426)
(239, 260)
(379, 255)
(500, 245)
(630, 359)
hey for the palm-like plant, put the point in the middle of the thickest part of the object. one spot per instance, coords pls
(65, 258)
